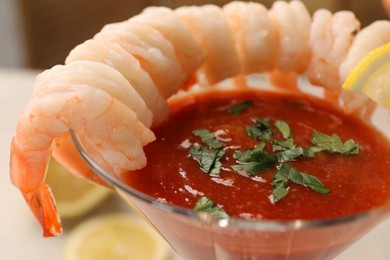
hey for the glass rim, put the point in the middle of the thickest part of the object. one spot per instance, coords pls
(263, 225)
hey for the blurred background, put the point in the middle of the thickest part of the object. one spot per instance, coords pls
(38, 34)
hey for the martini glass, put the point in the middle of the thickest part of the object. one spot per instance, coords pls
(196, 235)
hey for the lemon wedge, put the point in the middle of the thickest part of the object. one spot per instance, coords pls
(115, 236)
(371, 76)
(74, 196)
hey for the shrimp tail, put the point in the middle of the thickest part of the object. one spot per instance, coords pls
(42, 205)
(39, 198)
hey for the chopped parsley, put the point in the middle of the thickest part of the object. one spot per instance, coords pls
(282, 145)
(237, 108)
(205, 204)
(208, 156)
(333, 144)
(290, 154)
(208, 159)
(208, 138)
(261, 130)
(284, 128)
(286, 173)
(254, 161)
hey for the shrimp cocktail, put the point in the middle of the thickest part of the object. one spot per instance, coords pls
(226, 127)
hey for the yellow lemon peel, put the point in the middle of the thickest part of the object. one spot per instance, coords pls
(371, 76)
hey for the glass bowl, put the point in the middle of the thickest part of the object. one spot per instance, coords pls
(195, 235)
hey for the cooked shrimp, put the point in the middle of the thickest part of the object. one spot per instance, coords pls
(209, 25)
(97, 75)
(331, 37)
(372, 36)
(109, 124)
(155, 53)
(254, 35)
(292, 21)
(177, 33)
(115, 56)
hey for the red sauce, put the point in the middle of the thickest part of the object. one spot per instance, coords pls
(356, 182)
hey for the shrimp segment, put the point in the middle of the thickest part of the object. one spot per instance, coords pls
(209, 25)
(177, 33)
(372, 36)
(115, 56)
(293, 24)
(98, 75)
(331, 37)
(155, 53)
(254, 35)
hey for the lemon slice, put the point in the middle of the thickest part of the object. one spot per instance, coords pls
(115, 236)
(74, 196)
(371, 76)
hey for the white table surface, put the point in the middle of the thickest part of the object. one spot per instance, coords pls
(20, 234)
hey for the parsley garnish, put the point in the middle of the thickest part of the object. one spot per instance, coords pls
(333, 144)
(289, 155)
(284, 128)
(253, 161)
(208, 138)
(286, 173)
(282, 145)
(237, 108)
(261, 130)
(208, 156)
(208, 159)
(205, 204)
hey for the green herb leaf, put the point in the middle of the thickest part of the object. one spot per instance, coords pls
(333, 144)
(205, 204)
(282, 145)
(280, 189)
(289, 155)
(237, 108)
(208, 159)
(250, 154)
(255, 160)
(208, 138)
(262, 130)
(286, 172)
(311, 151)
(284, 128)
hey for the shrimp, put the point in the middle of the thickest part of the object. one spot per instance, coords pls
(331, 37)
(115, 56)
(292, 21)
(177, 33)
(209, 25)
(372, 36)
(97, 75)
(254, 35)
(114, 87)
(88, 110)
(155, 53)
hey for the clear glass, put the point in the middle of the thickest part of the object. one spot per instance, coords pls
(201, 236)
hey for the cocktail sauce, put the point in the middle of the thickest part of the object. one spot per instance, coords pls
(356, 182)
